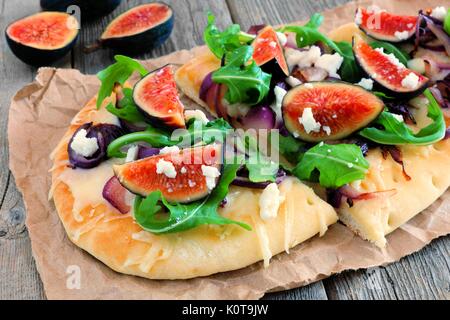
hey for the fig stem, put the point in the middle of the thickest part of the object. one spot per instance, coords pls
(93, 47)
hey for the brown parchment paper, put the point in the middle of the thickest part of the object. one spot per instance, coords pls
(40, 114)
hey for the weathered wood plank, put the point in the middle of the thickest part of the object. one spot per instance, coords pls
(250, 12)
(423, 275)
(190, 20)
(18, 275)
(314, 291)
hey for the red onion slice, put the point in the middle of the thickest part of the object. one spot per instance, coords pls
(116, 194)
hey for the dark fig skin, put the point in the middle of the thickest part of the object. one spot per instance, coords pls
(343, 121)
(155, 120)
(90, 9)
(141, 42)
(35, 56)
(391, 92)
(183, 192)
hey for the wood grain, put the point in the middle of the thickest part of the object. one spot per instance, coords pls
(423, 275)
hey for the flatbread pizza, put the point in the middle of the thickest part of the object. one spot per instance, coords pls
(300, 130)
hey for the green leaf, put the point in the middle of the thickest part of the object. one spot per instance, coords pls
(396, 132)
(261, 168)
(337, 164)
(246, 83)
(290, 148)
(158, 138)
(447, 22)
(228, 40)
(181, 217)
(308, 35)
(402, 56)
(349, 71)
(118, 72)
(382, 95)
(127, 109)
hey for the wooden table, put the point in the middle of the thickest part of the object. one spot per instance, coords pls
(423, 275)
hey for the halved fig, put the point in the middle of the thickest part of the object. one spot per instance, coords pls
(385, 26)
(387, 71)
(321, 111)
(42, 38)
(180, 175)
(268, 52)
(156, 96)
(139, 29)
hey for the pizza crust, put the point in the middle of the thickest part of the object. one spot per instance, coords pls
(121, 244)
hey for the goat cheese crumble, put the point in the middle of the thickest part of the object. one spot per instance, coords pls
(411, 81)
(167, 150)
(166, 167)
(399, 117)
(366, 83)
(276, 105)
(196, 114)
(439, 13)
(210, 173)
(83, 145)
(269, 202)
(331, 63)
(401, 35)
(132, 154)
(309, 123)
(392, 58)
(293, 81)
(303, 59)
(358, 17)
(282, 38)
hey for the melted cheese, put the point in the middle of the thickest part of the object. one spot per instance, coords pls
(288, 214)
(87, 186)
(103, 116)
(263, 239)
(87, 227)
(158, 251)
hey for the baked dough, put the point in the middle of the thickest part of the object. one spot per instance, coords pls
(120, 243)
(428, 166)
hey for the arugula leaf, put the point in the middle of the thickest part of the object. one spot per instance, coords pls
(246, 83)
(290, 148)
(261, 168)
(118, 72)
(158, 138)
(402, 56)
(447, 22)
(382, 95)
(309, 34)
(127, 108)
(349, 71)
(182, 217)
(228, 40)
(337, 164)
(396, 132)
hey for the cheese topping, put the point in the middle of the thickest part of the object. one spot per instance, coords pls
(210, 173)
(196, 114)
(293, 81)
(269, 202)
(330, 63)
(439, 13)
(87, 185)
(172, 149)
(302, 59)
(276, 105)
(401, 35)
(309, 123)
(392, 58)
(282, 38)
(83, 145)
(358, 17)
(366, 83)
(398, 117)
(411, 81)
(132, 154)
(166, 167)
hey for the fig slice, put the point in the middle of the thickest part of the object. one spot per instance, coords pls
(42, 38)
(387, 71)
(385, 26)
(139, 29)
(268, 52)
(179, 175)
(156, 96)
(319, 111)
